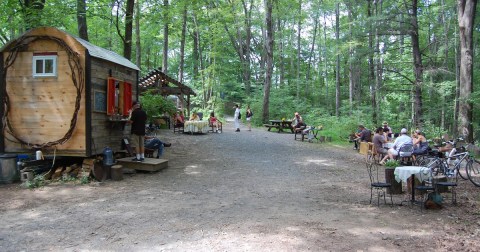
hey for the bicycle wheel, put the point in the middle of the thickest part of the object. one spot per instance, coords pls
(473, 171)
(462, 169)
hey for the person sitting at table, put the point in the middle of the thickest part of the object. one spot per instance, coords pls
(420, 144)
(297, 122)
(388, 131)
(179, 119)
(378, 141)
(214, 122)
(194, 117)
(155, 143)
(399, 142)
(365, 134)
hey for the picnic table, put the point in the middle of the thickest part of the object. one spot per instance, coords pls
(280, 125)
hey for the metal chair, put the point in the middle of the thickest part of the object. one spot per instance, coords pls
(451, 184)
(427, 186)
(178, 127)
(375, 183)
(405, 153)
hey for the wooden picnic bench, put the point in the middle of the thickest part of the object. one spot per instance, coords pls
(270, 126)
(304, 133)
(280, 125)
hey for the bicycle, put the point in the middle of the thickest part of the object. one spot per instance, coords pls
(473, 171)
(440, 164)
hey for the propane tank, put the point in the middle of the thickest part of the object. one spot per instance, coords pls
(107, 156)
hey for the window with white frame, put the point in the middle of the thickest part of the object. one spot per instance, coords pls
(44, 65)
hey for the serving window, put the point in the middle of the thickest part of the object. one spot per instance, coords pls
(119, 97)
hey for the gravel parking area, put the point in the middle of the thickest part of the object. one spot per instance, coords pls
(235, 191)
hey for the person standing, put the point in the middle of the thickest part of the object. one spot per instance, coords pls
(236, 118)
(138, 120)
(249, 115)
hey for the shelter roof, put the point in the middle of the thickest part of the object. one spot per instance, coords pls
(166, 84)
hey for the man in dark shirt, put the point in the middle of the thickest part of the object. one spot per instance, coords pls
(138, 119)
(365, 134)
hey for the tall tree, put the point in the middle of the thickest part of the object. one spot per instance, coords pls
(268, 58)
(138, 48)
(337, 69)
(82, 19)
(417, 65)
(166, 21)
(127, 45)
(182, 42)
(466, 16)
(299, 47)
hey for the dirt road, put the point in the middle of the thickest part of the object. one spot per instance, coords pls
(235, 191)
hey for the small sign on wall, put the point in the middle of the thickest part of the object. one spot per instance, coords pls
(100, 101)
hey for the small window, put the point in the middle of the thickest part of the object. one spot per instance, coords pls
(45, 66)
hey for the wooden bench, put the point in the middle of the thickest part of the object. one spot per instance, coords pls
(302, 132)
(270, 126)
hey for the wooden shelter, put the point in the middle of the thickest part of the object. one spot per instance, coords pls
(165, 85)
(63, 93)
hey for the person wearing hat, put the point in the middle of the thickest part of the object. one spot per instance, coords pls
(387, 130)
(403, 139)
(138, 119)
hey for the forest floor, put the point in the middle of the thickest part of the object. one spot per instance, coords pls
(235, 191)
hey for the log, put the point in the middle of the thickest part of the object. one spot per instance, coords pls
(117, 172)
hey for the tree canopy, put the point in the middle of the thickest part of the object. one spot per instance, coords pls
(373, 61)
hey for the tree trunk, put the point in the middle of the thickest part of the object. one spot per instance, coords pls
(82, 19)
(127, 46)
(466, 16)
(371, 65)
(350, 63)
(299, 30)
(166, 21)
(182, 43)
(418, 68)
(268, 58)
(248, 38)
(337, 74)
(138, 48)
(196, 47)
(311, 54)
(325, 62)
(32, 10)
(281, 60)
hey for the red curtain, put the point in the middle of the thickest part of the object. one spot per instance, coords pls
(111, 96)
(127, 97)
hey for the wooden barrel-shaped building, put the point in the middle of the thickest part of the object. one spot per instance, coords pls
(63, 94)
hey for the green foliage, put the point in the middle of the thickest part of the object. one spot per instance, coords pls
(156, 105)
(38, 181)
(392, 163)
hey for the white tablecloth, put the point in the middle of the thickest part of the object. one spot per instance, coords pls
(402, 173)
(196, 126)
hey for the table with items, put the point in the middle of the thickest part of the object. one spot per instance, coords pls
(196, 127)
(402, 173)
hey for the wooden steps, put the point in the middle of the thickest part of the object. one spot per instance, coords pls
(149, 164)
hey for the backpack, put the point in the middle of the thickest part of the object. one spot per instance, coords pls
(239, 115)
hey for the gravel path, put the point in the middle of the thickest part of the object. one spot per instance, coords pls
(235, 191)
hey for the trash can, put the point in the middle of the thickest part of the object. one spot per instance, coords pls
(8, 169)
